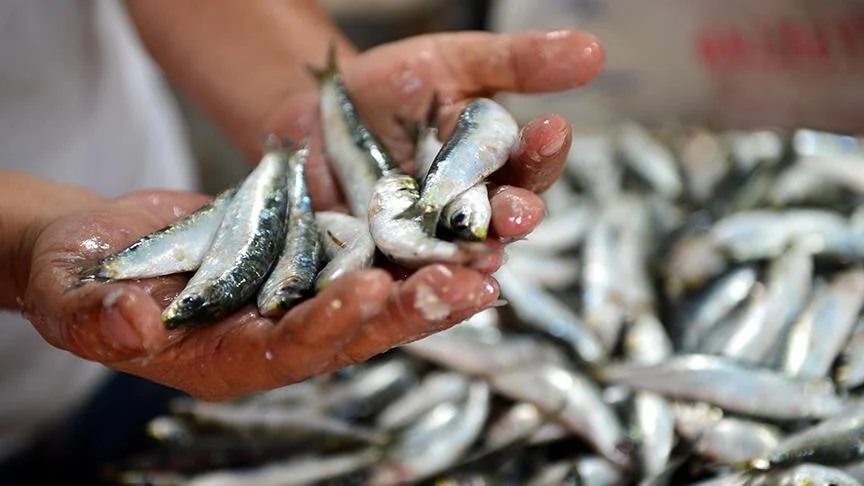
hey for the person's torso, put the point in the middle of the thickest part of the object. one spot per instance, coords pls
(80, 103)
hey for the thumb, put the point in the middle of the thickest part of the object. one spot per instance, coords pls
(530, 62)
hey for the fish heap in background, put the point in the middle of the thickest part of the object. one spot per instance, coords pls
(261, 240)
(690, 312)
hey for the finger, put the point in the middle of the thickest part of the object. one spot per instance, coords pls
(434, 298)
(482, 63)
(256, 354)
(540, 154)
(167, 206)
(515, 212)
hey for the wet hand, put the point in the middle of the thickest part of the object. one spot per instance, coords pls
(364, 313)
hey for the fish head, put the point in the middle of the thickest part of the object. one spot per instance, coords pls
(467, 226)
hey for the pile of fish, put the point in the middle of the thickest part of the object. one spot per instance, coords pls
(261, 240)
(689, 312)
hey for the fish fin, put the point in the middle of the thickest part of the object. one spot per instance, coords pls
(331, 66)
(85, 270)
(433, 111)
(337, 241)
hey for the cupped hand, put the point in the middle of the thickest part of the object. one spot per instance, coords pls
(362, 314)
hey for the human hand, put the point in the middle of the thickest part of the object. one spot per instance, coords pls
(360, 315)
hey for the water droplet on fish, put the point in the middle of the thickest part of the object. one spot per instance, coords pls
(268, 355)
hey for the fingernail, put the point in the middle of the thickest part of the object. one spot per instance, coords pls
(117, 330)
(555, 145)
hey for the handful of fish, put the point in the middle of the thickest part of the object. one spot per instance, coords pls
(261, 240)
(690, 312)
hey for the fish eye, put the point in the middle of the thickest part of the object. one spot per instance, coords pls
(459, 221)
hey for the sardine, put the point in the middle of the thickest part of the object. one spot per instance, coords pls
(650, 159)
(850, 372)
(468, 215)
(836, 442)
(358, 157)
(560, 232)
(540, 310)
(481, 143)
(299, 471)
(733, 440)
(176, 248)
(437, 387)
(705, 162)
(404, 240)
(601, 310)
(571, 399)
(596, 471)
(347, 244)
(293, 277)
(442, 448)
(811, 475)
(245, 248)
(820, 334)
(551, 272)
(730, 385)
(723, 296)
(591, 161)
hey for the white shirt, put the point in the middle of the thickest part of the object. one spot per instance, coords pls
(80, 103)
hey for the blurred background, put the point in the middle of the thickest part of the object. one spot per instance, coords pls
(368, 23)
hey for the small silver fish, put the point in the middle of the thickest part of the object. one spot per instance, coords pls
(601, 308)
(540, 310)
(572, 400)
(293, 277)
(850, 372)
(468, 215)
(177, 248)
(591, 161)
(442, 447)
(346, 242)
(811, 475)
(819, 335)
(519, 422)
(404, 240)
(300, 471)
(596, 471)
(730, 385)
(358, 157)
(834, 442)
(723, 296)
(481, 143)
(245, 248)
(732, 440)
(437, 387)
(650, 159)
(550, 272)
(705, 162)
(562, 231)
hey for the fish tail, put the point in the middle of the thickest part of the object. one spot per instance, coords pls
(86, 270)
(432, 112)
(331, 67)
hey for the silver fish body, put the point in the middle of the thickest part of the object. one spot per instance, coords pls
(821, 332)
(730, 385)
(442, 447)
(650, 159)
(850, 372)
(347, 244)
(437, 387)
(301, 471)
(245, 248)
(573, 400)
(481, 143)
(404, 240)
(720, 299)
(356, 154)
(811, 475)
(293, 277)
(468, 215)
(600, 265)
(542, 311)
(177, 248)
(732, 440)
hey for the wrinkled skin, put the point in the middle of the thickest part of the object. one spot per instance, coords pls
(364, 313)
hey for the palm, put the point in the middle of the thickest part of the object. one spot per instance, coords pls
(358, 316)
